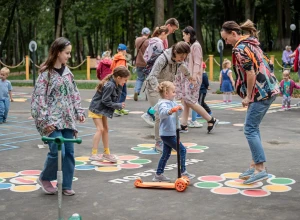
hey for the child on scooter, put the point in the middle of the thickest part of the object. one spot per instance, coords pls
(167, 130)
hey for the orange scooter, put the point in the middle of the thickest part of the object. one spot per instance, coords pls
(181, 182)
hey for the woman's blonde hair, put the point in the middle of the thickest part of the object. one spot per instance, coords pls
(247, 26)
(163, 87)
(159, 30)
(225, 62)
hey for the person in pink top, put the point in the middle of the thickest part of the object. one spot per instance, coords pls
(173, 25)
(187, 89)
(103, 68)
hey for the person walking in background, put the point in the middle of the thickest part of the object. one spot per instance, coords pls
(287, 86)
(141, 44)
(226, 81)
(103, 68)
(120, 60)
(172, 25)
(55, 107)
(5, 94)
(256, 84)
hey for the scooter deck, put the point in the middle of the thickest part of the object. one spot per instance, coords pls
(157, 185)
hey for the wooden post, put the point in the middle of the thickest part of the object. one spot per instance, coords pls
(27, 67)
(88, 67)
(211, 67)
(272, 58)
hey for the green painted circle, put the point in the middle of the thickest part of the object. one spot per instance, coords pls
(2, 180)
(282, 181)
(79, 162)
(139, 161)
(208, 185)
(141, 148)
(199, 147)
(201, 121)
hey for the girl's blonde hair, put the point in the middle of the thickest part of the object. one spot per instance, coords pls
(287, 73)
(163, 87)
(120, 71)
(225, 63)
(106, 54)
(159, 30)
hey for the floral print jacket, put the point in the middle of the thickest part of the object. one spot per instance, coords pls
(56, 101)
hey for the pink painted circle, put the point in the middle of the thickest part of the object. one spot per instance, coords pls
(130, 166)
(211, 178)
(128, 157)
(194, 151)
(225, 191)
(30, 172)
(255, 193)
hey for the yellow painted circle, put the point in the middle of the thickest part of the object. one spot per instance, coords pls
(276, 188)
(83, 158)
(19, 100)
(107, 169)
(8, 174)
(231, 175)
(107, 163)
(25, 188)
(239, 184)
(145, 145)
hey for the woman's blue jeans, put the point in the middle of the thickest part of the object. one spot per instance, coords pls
(140, 79)
(255, 113)
(68, 162)
(169, 143)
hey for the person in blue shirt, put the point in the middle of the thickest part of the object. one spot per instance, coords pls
(167, 130)
(5, 94)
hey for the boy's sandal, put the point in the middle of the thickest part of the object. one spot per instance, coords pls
(214, 123)
(184, 128)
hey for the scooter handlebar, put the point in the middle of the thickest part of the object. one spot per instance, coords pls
(60, 140)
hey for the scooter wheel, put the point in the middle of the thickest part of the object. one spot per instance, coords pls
(137, 182)
(180, 185)
(186, 179)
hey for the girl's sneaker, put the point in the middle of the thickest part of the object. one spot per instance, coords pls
(96, 157)
(161, 178)
(195, 124)
(110, 157)
(188, 175)
(118, 113)
(124, 111)
(68, 192)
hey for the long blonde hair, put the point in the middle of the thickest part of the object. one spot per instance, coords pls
(163, 87)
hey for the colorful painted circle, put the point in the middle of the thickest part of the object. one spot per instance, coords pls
(270, 176)
(281, 181)
(106, 163)
(199, 147)
(25, 188)
(194, 151)
(108, 169)
(231, 175)
(8, 174)
(5, 185)
(139, 161)
(24, 180)
(79, 163)
(224, 123)
(146, 145)
(208, 185)
(30, 172)
(225, 191)
(85, 167)
(255, 193)
(130, 166)
(83, 158)
(238, 183)
(2, 180)
(140, 148)
(211, 178)
(151, 151)
(128, 157)
(238, 125)
(136, 112)
(189, 145)
(276, 188)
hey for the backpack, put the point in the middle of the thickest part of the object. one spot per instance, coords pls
(296, 59)
(151, 61)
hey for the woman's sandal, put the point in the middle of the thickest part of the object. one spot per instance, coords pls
(184, 129)
(214, 123)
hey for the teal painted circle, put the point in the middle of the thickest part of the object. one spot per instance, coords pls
(5, 185)
(202, 121)
(77, 162)
(199, 147)
(281, 181)
(140, 148)
(2, 180)
(207, 185)
(152, 151)
(84, 167)
(139, 161)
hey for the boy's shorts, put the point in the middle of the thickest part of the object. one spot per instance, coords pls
(94, 115)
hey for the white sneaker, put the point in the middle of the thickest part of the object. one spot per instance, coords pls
(194, 124)
(148, 119)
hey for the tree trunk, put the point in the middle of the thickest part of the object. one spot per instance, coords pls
(199, 29)
(90, 45)
(170, 10)
(159, 13)
(249, 9)
(10, 20)
(287, 13)
(58, 28)
(280, 41)
(296, 33)
(230, 7)
(77, 40)
(131, 31)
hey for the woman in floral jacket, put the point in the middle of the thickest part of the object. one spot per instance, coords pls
(55, 107)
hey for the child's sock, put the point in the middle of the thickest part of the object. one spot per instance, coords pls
(106, 151)
(94, 151)
(224, 97)
(230, 97)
